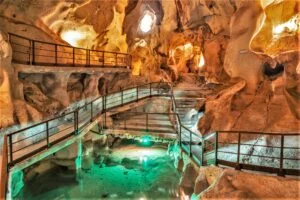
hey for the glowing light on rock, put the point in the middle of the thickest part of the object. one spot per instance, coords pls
(188, 50)
(145, 140)
(201, 61)
(146, 23)
(188, 46)
(73, 37)
(290, 26)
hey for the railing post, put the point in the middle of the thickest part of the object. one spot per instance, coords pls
(75, 121)
(103, 59)
(33, 52)
(55, 48)
(159, 85)
(10, 148)
(73, 53)
(91, 111)
(103, 104)
(137, 93)
(238, 167)
(87, 57)
(116, 59)
(190, 153)
(29, 50)
(47, 134)
(281, 171)
(121, 96)
(216, 148)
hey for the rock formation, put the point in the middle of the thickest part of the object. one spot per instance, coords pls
(227, 42)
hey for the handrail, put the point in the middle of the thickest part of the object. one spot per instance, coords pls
(79, 117)
(25, 51)
(241, 155)
(75, 121)
(253, 132)
(80, 107)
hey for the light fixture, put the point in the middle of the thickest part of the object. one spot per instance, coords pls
(146, 22)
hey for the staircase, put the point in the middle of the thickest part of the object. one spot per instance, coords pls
(140, 123)
(186, 100)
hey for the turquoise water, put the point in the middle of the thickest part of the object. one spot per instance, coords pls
(127, 172)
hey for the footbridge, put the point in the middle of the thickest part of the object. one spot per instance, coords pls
(238, 149)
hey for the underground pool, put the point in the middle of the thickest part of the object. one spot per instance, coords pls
(131, 170)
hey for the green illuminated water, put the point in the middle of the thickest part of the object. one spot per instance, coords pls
(127, 172)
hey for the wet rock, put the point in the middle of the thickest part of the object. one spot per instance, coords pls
(16, 183)
(129, 163)
(87, 162)
(189, 176)
(200, 184)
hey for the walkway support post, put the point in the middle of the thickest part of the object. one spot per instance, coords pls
(216, 148)
(91, 111)
(10, 148)
(281, 171)
(47, 134)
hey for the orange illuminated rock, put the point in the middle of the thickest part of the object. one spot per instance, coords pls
(279, 29)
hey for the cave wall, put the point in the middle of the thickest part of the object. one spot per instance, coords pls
(258, 101)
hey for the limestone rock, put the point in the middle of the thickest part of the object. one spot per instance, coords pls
(200, 184)
(6, 104)
(35, 97)
(242, 185)
(239, 60)
(189, 176)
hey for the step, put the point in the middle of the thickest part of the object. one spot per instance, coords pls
(133, 123)
(143, 130)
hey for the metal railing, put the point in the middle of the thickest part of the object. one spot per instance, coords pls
(34, 52)
(207, 150)
(267, 152)
(26, 142)
(144, 122)
(189, 141)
